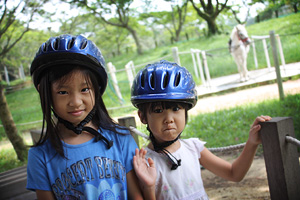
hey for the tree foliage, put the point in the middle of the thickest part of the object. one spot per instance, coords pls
(12, 31)
(113, 12)
(209, 11)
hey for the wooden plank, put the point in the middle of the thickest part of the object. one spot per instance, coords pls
(129, 121)
(13, 185)
(281, 159)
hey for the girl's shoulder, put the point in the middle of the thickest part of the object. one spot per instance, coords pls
(193, 144)
(193, 141)
(44, 150)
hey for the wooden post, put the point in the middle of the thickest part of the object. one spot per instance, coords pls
(200, 67)
(280, 51)
(129, 74)
(266, 53)
(194, 63)
(276, 63)
(112, 72)
(176, 55)
(254, 54)
(281, 158)
(206, 68)
(129, 121)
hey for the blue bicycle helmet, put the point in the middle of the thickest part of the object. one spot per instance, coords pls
(163, 81)
(69, 49)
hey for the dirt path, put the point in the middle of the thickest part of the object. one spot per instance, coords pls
(252, 95)
(253, 186)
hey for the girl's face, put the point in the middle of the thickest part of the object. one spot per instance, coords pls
(165, 123)
(73, 97)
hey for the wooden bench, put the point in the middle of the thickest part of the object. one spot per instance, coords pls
(13, 185)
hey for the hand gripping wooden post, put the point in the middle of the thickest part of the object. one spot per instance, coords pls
(129, 121)
(281, 159)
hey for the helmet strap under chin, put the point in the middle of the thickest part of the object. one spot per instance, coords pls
(80, 127)
(161, 147)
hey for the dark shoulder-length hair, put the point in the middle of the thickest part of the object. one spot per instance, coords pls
(50, 129)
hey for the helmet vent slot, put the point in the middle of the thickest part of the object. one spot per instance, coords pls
(152, 81)
(44, 47)
(177, 79)
(71, 43)
(143, 81)
(56, 44)
(83, 44)
(165, 80)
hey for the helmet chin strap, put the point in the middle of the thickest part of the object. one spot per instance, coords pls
(80, 127)
(160, 147)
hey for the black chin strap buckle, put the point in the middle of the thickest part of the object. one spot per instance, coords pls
(78, 129)
(175, 166)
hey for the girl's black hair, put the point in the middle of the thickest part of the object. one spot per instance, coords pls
(101, 118)
(150, 107)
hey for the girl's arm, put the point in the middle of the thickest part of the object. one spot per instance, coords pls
(44, 195)
(238, 169)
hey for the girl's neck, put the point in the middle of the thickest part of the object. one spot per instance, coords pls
(70, 137)
(172, 148)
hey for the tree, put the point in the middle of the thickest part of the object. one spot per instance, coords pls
(209, 12)
(273, 5)
(172, 21)
(178, 16)
(235, 10)
(12, 31)
(113, 12)
(294, 3)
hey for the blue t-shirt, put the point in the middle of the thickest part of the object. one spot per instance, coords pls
(91, 171)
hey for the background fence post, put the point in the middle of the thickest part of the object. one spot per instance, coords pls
(129, 121)
(194, 62)
(176, 55)
(206, 68)
(254, 54)
(266, 53)
(112, 72)
(129, 72)
(276, 63)
(281, 158)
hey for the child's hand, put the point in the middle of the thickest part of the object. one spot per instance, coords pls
(145, 173)
(254, 137)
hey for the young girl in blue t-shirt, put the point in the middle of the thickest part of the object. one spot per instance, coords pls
(82, 152)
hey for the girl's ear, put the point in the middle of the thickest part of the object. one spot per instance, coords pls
(142, 118)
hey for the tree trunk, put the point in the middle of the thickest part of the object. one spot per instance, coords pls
(276, 13)
(136, 40)
(212, 27)
(10, 128)
(295, 8)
